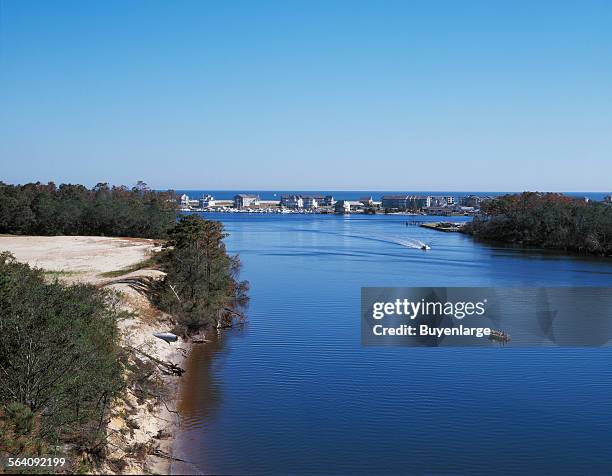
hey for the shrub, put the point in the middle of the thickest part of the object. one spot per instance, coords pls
(59, 358)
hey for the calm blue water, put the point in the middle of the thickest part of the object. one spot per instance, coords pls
(293, 392)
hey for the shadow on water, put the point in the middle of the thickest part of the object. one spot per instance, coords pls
(200, 398)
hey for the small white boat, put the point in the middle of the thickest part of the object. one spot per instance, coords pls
(167, 336)
(425, 247)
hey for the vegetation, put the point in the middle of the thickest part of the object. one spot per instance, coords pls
(548, 220)
(38, 209)
(61, 365)
(145, 263)
(201, 286)
(59, 361)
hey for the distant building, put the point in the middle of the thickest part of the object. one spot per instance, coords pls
(243, 200)
(396, 202)
(420, 201)
(441, 200)
(184, 200)
(449, 210)
(311, 202)
(405, 202)
(470, 201)
(607, 199)
(347, 206)
(328, 201)
(292, 201)
(439, 210)
(207, 201)
(367, 201)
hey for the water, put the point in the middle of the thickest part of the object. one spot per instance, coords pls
(293, 391)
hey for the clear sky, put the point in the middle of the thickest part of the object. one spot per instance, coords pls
(396, 95)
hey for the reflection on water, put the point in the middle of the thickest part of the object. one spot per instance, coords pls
(295, 393)
(200, 397)
(200, 392)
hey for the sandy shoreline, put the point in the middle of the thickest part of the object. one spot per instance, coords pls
(140, 431)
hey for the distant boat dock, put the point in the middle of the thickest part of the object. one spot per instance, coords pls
(447, 227)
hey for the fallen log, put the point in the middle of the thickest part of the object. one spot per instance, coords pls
(172, 368)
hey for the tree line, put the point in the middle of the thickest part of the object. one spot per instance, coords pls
(68, 209)
(546, 220)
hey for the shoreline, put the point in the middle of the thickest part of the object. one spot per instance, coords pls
(143, 422)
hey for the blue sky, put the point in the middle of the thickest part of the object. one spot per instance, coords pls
(399, 95)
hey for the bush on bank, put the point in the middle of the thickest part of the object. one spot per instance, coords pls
(59, 361)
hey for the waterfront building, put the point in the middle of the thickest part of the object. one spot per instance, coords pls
(243, 200)
(470, 201)
(184, 200)
(311, 202)
(395, 202)
(439, 210)
(367, 201)
(328, 201)
(347, 206)
(441, 201)
(405, 202)
(445, 209)
(292, 201)
(420, 201)
(608, 199)
(207, 201)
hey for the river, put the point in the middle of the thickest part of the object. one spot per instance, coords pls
(294, 392)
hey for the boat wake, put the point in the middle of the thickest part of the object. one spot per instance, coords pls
(406, 243)
(414, 244)
(410, 243)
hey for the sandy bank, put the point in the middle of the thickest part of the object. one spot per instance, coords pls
(138, 426)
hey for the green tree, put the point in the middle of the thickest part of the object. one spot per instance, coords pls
(59, 357)
(201, 287)
(546, 220)
(69, 209)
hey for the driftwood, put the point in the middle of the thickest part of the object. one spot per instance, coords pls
(235, 313)
(142, 284)
(161, 454)
(170, 368)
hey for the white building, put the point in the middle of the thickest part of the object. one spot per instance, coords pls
(292, 201)
(184, 200)
(347, 206)
(441, 201)
(207, 201)
(243, 200)
(310, 202)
